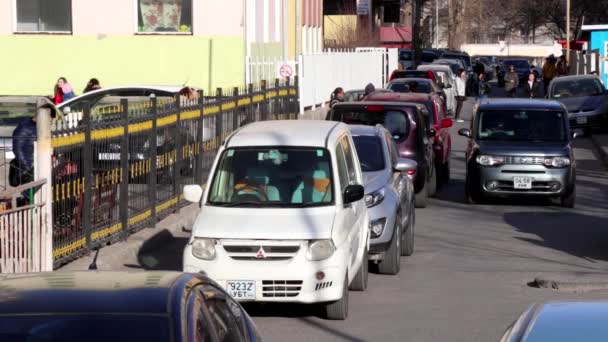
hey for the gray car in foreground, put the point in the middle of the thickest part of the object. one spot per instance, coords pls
(520, 147)
(585, 98)
(389, 196)
(561, 322)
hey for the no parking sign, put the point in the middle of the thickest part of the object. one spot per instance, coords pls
(285, 69)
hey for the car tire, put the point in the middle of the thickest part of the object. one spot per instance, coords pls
(392, 258)
(422, 197)
(568, 200)
(472, 192)
(433, 183)
(407, 237)
(338, 310)
(360, 281)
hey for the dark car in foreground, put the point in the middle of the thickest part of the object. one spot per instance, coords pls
(561, 322)
(585, 98)
(408, 125)
(520, 147)
(119, 306)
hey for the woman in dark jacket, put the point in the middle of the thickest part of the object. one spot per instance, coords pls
(532, 87)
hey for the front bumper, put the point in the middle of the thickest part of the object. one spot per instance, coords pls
(386, 209)
(587, 119)
(542, 179)
(277, 280)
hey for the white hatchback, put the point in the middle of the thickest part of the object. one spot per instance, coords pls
(282, 217)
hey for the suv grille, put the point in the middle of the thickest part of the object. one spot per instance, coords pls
(261, 250)
(524, 160)
(281, 288)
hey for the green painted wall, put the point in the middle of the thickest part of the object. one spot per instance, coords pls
(267, 50)
(30, 64)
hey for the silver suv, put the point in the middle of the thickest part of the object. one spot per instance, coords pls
(520, 147)
(389, 196)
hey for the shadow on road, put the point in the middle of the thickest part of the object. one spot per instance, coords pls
(583, 236)
(167, 257)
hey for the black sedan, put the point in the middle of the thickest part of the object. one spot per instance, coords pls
(119, 306)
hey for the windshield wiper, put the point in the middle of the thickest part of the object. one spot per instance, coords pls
(308, 204)
(238, 204)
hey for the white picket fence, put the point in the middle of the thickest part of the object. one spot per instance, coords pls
(583, 64)
(320, 73)
(25, 234)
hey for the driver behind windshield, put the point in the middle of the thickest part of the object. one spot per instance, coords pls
(497, 125)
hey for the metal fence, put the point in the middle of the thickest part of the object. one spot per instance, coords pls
(122, 168)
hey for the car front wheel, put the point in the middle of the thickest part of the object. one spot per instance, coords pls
(338, 310)
(360, 281)
(392, 259)
(472, 191)
(407, 237)
(568, 200)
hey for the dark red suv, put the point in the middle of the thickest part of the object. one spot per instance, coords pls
(408, 123)
(439, 126)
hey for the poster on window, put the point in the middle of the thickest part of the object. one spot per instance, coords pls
(165, 16)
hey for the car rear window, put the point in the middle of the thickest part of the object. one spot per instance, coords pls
(410, 87)
(518, 63)
(395, 121)
(369, 150)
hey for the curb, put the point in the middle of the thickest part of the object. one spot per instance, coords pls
(145, 240)
(573, 286)
(600, 150)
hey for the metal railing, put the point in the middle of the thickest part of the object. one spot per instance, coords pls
(122, 168)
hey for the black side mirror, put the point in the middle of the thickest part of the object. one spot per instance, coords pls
(465, 132)
(353, 193)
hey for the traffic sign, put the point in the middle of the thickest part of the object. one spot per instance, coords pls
(285, 69)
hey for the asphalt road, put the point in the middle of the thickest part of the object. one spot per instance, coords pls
(468, 278)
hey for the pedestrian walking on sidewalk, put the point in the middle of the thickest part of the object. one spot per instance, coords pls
(483, 87)
(337, 96)
(532, 87)
(511, 82)
(93, 84)
(63, 91)
(460, 93)
(549, 71)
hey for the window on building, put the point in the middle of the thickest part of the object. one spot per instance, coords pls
(44, 15)
(164, 16)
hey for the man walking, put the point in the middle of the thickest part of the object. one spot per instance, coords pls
(460, 93)
(511, 82)
(483, 87)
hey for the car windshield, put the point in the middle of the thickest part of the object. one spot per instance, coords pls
(410, 87)
(396, 122)
(280, 176)
(428, 57)
(522, 125)
(576, 88)
(11, 114)
(369, 150)
(90, 328)
(520, 64)
(462, 58)
(405, 55)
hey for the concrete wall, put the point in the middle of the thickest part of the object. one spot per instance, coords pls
(528, 50)
(35, 62)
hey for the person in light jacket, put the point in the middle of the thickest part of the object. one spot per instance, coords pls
(460, 93)
(511, 82)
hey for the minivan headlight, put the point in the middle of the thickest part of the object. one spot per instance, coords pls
(375, 198)
(320, 250)
(203, 248)
(487, 160)
(557, 162)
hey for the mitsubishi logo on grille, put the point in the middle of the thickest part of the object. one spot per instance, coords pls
(261, 254)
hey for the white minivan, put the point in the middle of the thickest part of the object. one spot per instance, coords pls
(283, 217)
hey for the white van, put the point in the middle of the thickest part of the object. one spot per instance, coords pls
(283, 217)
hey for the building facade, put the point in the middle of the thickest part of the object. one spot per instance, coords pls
(201, 43)
(599, 41)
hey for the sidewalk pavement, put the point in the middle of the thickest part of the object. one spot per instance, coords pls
(127, 253)
(601, 144)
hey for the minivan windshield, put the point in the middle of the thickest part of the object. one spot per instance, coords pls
(369, 150)
(396, 122)
(522, 125)
(576, 88)
(276, 176)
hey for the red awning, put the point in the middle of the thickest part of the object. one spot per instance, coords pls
(395, 35)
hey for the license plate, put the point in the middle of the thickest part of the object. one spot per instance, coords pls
(522, 183)
(241, 289)
(581, 120)
(109, 156)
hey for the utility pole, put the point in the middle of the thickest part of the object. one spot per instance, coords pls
(568, 32)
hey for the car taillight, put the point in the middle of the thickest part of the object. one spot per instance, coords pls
(392, 76)
(374, 108)
(431, 75)
(411, 172)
